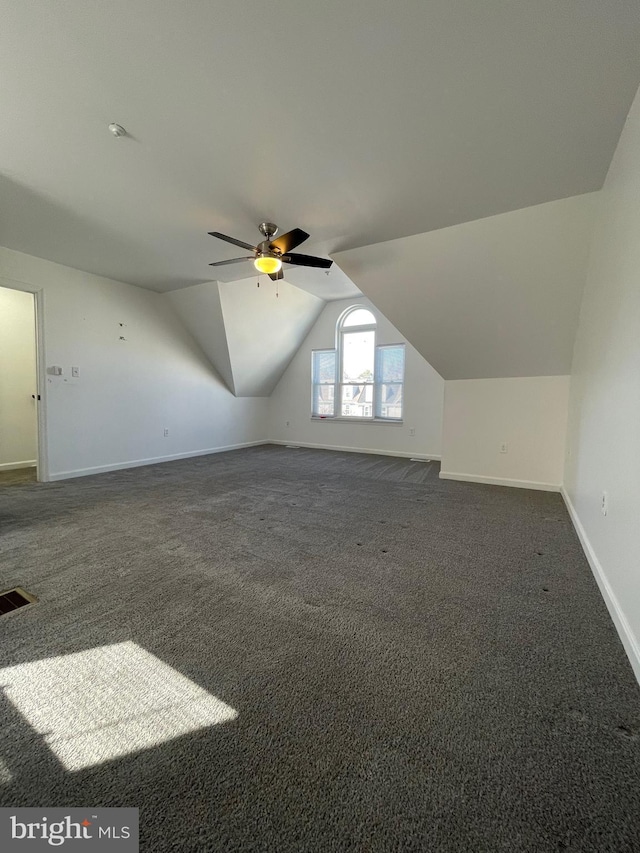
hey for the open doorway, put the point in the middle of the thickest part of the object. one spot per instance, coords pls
(18, 388)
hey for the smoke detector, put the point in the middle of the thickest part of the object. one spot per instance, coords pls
(117, 130)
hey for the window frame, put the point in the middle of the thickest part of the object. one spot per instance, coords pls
(314, 384)
(379, 383)
(338, 385)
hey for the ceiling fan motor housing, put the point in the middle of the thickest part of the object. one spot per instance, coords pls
(266, 249)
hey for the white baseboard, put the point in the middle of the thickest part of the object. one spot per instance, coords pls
(500, 481)
(374, 451)
(138, 463)
(13, 466)
(627, 637)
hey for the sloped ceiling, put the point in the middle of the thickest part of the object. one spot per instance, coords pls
(497, 297)
(249, 333)
(357, 121)
(200, 310)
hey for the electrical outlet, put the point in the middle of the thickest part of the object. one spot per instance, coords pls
(166, 432)
(504, 447)
(412, 431)
(604, 504)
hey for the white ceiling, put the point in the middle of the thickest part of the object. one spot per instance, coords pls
(358, 122)
(248, 333)
(496, 297)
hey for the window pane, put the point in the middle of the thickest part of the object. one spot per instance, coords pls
(357, 401)
(389, 403)
(359, 317)
(358, 350)
(391, 364)
(324, 400)
(324, 366)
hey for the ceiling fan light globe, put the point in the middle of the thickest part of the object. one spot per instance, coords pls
(267, 264)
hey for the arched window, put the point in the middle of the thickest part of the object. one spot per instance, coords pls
(358, 380)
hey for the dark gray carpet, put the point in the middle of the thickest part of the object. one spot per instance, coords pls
(416, 664)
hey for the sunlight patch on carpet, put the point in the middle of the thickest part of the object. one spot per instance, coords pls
(103, 703)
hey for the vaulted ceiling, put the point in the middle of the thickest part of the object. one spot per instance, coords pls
(359, 122)
(496, 297)
(445, 154)
(248, 333)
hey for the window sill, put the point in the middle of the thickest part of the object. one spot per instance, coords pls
(372, 421)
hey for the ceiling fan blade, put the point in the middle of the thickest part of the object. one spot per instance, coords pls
(232, 261)
(288, 241)
(232, 240)
(276, 276)
(307, 261)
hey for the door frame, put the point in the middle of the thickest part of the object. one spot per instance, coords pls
(42, 463)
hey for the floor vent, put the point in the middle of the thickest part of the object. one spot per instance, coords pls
(15, 598)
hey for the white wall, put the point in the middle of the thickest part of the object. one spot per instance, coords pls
(129, 390)
(528, 414)
(18, 430)
(291, 399)
(264, 330)
(249, 333)
(200, 310)
(603, 449)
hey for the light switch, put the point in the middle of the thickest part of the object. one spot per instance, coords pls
(75, 372)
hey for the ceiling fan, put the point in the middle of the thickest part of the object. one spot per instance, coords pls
(269, 255)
